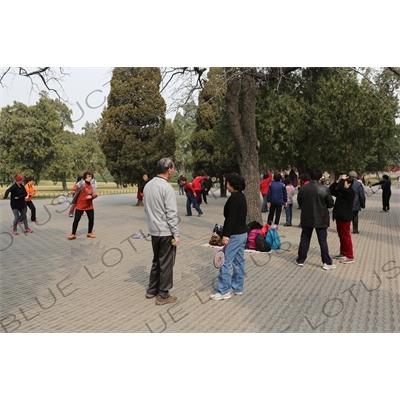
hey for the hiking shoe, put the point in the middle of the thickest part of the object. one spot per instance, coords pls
(91, 235)
(326, 266)
(299, 264)
(169, 300)
(27, 230)
(236, 293)
(346, 260)
(15, 232)
(150, 296)
(72, 236)
(339, 257)
(218, 296)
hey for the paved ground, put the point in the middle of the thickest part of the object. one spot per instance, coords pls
(50, 284)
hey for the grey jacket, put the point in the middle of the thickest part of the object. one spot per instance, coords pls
(359, 198)
(161, 208)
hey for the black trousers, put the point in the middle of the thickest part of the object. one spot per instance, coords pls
(33, 210)
(161, 274)
(277, 210)
(385, 200)
(305, 238)
(355, 221)
(77, 218)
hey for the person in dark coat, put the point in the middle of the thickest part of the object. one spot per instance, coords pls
(276, 198)
(343, 214)
(386, 192)
(17, 203)
(359, 199)
(314, 200)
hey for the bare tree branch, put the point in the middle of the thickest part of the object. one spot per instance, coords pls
(50, 77)
(394, 70)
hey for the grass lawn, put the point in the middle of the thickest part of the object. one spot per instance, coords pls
(46, 189)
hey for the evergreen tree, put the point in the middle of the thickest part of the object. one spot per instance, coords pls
(133, 130)
(29, 135)
(213, 150)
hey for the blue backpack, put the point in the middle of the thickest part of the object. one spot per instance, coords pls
(273, 239)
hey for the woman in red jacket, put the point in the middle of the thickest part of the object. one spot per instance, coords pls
(84, 193)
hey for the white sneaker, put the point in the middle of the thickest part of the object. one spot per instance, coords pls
(218, 296)
(326, 266)
(236, 293)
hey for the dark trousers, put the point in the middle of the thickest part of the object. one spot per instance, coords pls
(355, 221)
(32, 207)
(161, 274)
(305, 238)
(277, 210)
(198, 196)
(33, 211)
(77, 218)
(385, 200)
(204, 194)
(19, 215)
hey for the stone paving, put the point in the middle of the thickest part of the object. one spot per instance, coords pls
(51, 284)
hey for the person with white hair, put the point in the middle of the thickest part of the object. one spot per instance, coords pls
(359, 199)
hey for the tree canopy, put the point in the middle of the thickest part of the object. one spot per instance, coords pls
(134, 134)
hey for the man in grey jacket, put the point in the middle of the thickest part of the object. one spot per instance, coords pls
(359, 199)
(162, 219)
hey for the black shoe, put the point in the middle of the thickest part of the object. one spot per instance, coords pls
(356, 232)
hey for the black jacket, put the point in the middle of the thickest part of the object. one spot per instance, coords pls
(343, 208)
(235, 213)
(314, 200)
(16, 191)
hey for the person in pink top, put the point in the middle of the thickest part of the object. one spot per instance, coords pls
(289, 207)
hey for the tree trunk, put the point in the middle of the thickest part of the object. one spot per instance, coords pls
(64, 186)
(241, 100)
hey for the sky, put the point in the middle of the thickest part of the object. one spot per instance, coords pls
(84, 90)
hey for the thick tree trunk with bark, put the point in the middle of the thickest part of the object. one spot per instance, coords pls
(241, 100)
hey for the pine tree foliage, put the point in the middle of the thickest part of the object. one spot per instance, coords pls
(133, 129)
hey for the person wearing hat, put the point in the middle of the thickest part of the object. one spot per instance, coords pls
(17, 203)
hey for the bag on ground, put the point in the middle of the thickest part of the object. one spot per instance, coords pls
(262, 244)
(215, 240)
(251, 239)
(273, 239)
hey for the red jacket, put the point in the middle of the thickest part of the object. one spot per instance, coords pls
(196, 182)
(187, 187)
(264, 184)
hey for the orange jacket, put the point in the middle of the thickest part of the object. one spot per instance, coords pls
(81, 202)
(30, 190)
